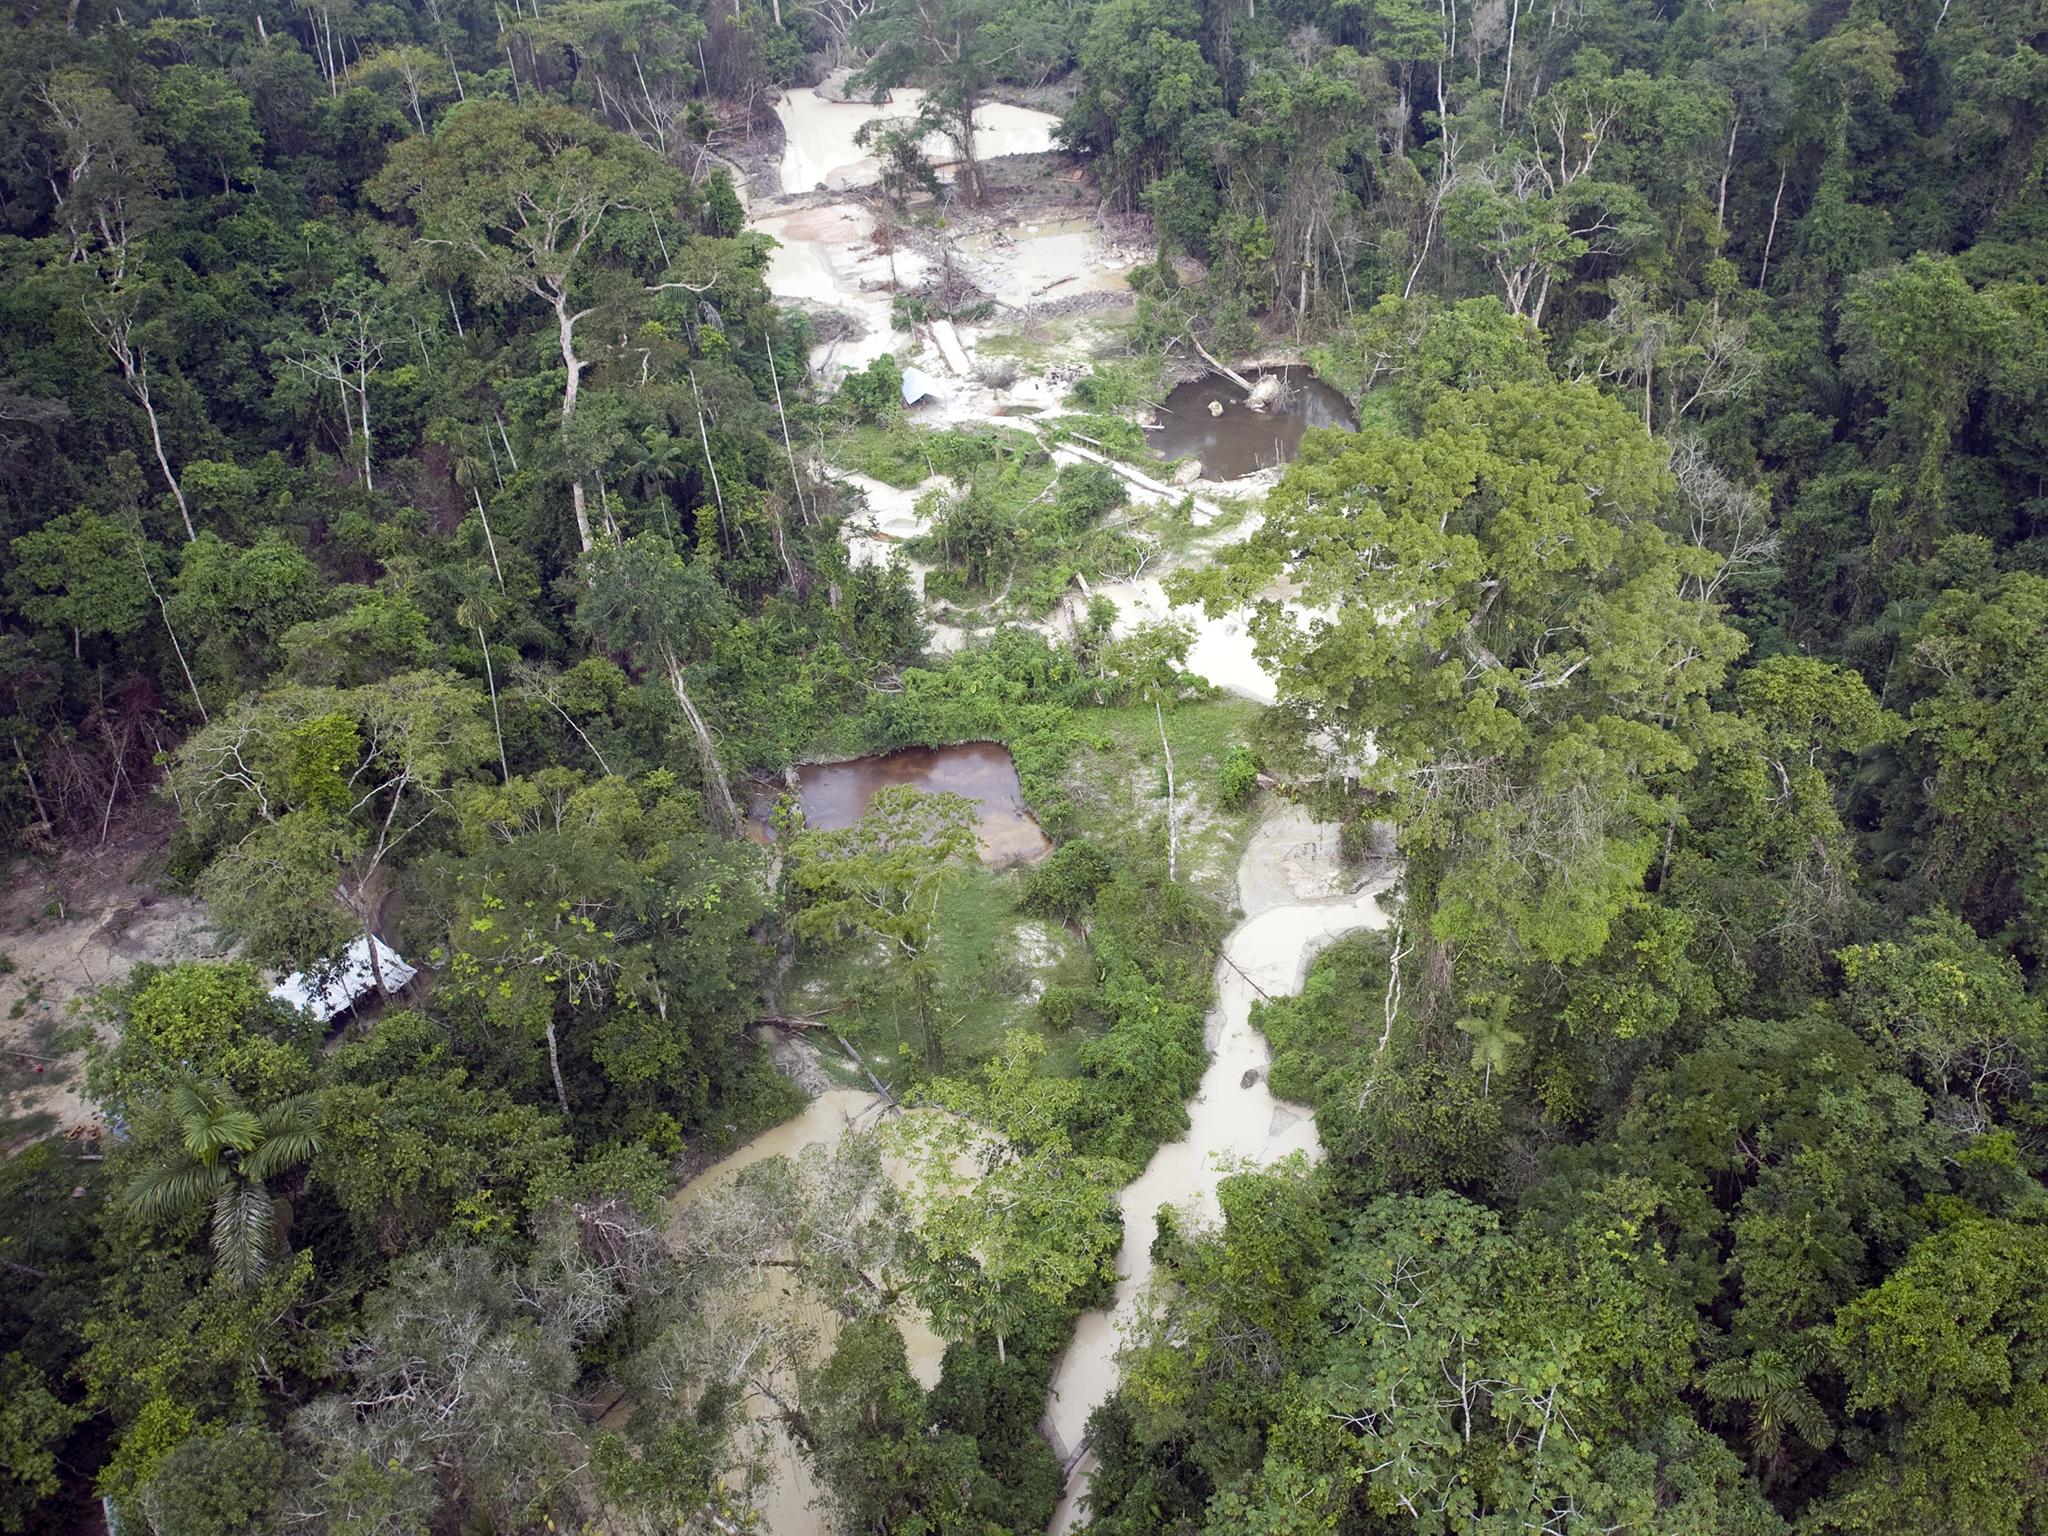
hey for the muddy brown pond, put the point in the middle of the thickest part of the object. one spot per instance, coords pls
(1241, 441)
(839, 794)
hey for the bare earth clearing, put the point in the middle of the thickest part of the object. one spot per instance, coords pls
(69, 926)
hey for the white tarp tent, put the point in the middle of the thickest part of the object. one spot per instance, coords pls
(335, 987)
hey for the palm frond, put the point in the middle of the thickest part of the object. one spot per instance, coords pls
(190, 1100)
(225, 1130)
(281, 1150)
(1733, 1381)
(1802, 1410)
(244, 1232)
(173, 1188)
(212, 1119)
(300, 1112)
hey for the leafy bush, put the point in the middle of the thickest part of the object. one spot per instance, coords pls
(215, 1483)
(1239, 779)
(1063, 1008)
(1065, 882)
(1086, 493)
(212, 1021)
(723, 210)
(875, 394)
(1019, 531)
(1123, 385)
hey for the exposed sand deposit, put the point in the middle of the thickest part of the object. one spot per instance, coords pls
(827, 258)
(68, 928)
(1023, 264)
(818, 137)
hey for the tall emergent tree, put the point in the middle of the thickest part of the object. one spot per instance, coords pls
(1501, 635)
(541, 202)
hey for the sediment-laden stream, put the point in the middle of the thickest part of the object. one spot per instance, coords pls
(1296, 900)
(1290, 883)
(1291, 891)
(790, 1505)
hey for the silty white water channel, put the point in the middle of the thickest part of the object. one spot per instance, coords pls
(1295, 902)
(1291, 888)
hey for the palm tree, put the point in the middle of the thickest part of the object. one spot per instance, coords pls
(225, 1157)
(657, 459)
(1771, 1384)
(1492, 1041)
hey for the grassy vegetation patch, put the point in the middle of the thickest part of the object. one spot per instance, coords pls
(905, 455)
(1119, 784)
(992, 965)
(1121, 384)
(1028, 949)
(1014, 538)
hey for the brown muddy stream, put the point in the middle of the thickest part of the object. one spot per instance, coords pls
(1241, 441)
(838, 794)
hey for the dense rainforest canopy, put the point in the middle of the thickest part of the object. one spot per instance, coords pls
(418, 519)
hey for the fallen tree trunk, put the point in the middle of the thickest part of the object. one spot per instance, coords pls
(875, 1082)
(1223, 368)
(1208, 509)
(714, 770)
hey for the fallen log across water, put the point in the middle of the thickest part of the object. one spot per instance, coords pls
(1223, 368)
(873, 1081)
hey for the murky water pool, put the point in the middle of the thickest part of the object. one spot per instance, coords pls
(839, 794)
(1235, 440)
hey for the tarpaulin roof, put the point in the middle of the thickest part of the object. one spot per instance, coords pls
(335, 986)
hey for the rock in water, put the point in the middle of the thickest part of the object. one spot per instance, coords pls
(1188, 473)
(1215, 407)
(1267, 393)
(1250, 1077)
